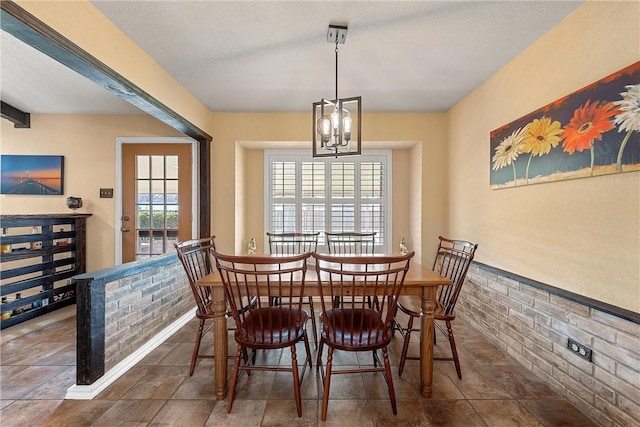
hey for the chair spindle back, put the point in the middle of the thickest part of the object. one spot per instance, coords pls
(453, 259)
(292, 243)
(351, 243)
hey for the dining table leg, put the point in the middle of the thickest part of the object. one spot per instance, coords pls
(426, 339)
(220, 340)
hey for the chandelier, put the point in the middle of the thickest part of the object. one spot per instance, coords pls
(336, 123)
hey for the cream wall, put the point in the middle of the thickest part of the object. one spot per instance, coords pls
(239, 140)
(581, 235)
(88, 144)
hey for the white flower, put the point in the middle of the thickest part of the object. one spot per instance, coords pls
(629, 118)
(509, 149)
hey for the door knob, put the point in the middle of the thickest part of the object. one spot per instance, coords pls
(125, 218)
(124, 229)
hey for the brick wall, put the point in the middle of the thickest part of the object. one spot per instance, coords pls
(533, 322)
(139, 306)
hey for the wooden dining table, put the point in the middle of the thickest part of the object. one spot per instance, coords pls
(419, 281)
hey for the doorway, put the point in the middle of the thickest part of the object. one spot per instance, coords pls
(156, 196)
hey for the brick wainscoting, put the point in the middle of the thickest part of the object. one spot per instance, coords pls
(139, 306)
(533, 323)
(121, 308)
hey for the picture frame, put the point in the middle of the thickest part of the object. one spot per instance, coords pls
(41, 175)
(591, 132)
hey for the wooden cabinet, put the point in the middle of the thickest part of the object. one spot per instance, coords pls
(40, 253)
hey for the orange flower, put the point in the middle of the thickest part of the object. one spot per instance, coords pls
(588, 123)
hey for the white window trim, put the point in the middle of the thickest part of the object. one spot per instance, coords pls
(296, 155)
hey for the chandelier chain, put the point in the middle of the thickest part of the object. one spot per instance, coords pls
(336, 69)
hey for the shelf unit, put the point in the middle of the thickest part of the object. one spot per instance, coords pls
(45, 252)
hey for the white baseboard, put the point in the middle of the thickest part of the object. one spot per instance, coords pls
(88, 392)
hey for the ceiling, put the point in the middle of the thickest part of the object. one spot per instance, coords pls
(263, 56)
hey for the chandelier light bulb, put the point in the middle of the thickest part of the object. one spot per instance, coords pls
(324, 128)
(346, 126)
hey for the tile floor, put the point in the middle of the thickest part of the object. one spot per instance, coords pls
(38, 366)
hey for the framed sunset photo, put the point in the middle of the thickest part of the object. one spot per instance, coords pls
(31, 175)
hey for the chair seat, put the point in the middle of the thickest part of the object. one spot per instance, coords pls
(272, 327)
(343, 329)
(411, 304)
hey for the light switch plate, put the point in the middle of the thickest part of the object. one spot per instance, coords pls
(106, 193)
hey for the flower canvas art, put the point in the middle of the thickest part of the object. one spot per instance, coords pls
(593, 131)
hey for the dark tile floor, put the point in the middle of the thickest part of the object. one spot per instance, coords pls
(38, 366)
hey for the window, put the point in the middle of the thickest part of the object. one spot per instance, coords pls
(307, 194)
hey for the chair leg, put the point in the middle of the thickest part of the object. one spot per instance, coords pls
(327, 384)
(234, 378)
(454, 351)
(313, 322)
(306, 346)
(296, 380)
(405, 347)
(196, 348)
(392, 393)
(319, 357)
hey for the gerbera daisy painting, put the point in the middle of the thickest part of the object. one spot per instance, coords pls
(593, 131)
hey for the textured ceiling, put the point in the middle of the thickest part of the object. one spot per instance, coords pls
(273, 55)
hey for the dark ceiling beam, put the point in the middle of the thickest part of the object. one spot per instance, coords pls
(20, 119)
(32, 31)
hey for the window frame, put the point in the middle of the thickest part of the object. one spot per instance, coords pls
(299, 156)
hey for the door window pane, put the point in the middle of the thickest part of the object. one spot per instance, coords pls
(142, 167)
(157, 204)
(172, 167)
(157, 167)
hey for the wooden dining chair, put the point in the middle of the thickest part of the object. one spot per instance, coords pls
(294, 244)
(198, 261)
(356, 325)
(262, 325)
(453, 259)
(351, 243)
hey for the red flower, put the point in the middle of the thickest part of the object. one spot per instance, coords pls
(588, 123)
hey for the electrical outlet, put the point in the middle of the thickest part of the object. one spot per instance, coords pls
(579, 349)
(106, 193)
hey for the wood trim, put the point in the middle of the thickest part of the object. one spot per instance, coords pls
(204, 173)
